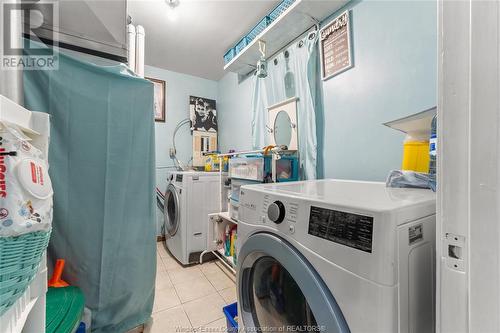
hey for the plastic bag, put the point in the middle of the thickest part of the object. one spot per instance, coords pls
(25, 186)
(404, 178)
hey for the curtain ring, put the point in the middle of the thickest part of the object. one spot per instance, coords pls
(312, 35)
(287, 54)
(301, 43)
(275, 61)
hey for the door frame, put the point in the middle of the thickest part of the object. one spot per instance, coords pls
(467, 228)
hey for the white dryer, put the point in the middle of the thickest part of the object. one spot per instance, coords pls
(189, 198)
(336, 256)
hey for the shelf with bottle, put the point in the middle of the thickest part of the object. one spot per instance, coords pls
(222, 238)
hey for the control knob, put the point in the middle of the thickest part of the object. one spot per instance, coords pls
(276, 212)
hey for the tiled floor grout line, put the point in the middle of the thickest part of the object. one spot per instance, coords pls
(185, 313)
(168, 257)
(218, 291)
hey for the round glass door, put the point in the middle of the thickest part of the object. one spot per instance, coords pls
(276, 298)
(171, 211)
(279, 291)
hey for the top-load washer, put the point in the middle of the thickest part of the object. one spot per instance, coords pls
(336, 256)
(189, 198)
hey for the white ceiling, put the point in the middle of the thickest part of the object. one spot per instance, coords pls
(193, 37)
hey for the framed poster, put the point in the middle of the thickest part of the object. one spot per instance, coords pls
(159, 99)
(335, 46)
(203, 114)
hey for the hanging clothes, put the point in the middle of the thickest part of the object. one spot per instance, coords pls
(102, 168)
(291, 73)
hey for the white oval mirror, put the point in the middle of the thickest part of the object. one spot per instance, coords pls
(282, 129)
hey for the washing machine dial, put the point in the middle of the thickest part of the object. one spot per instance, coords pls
(276, 212)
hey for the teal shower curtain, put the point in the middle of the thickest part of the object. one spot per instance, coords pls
(292, 73)
(102, 168)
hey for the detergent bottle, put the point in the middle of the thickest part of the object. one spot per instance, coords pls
(433, 154)
(227, 242)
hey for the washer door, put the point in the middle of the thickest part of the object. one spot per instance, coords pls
(171, 211)
(280, 291)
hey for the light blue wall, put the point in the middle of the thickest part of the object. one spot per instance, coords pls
(394, 74)
(235, 100)
(178, 89)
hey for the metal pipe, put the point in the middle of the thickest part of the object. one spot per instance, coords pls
(131, 38)
(139, 50)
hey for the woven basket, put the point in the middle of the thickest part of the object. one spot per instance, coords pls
(20, 258)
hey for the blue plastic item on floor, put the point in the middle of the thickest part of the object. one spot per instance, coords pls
(231, 312)
(81, 328)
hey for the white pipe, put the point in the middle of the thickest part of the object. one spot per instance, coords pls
(11, 80)
(139, 51)
(131, 36)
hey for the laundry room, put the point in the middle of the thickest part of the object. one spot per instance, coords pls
(249, 166)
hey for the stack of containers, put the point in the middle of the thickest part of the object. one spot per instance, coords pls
(254, 169)
(257, 29)
(244, 170)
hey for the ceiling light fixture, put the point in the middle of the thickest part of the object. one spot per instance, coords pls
(172, 3)
(171, 12)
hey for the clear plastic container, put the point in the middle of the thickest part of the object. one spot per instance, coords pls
(236, 184)
(250, 168)
(234, 206)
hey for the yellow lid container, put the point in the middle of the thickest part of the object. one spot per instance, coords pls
(416, 156)
(417, 128)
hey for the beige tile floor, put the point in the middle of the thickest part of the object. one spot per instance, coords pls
(190, 299)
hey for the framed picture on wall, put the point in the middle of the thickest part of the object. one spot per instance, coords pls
(160, 90)
(336, 46)
(203, 114)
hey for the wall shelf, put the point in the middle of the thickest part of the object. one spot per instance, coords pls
(300, 16)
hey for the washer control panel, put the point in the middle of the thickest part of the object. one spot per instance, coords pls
(344, 228)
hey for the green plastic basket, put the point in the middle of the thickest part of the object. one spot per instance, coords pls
(20, 258)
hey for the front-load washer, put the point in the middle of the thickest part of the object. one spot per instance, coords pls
(189, 198)
(336, 256)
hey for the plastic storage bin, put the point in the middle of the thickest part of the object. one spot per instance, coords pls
(416, 156)
(263, 24)
(278, 10)
(259, 168)
(250, 168)
(231, 312)
(241, 44)
(236, 184)
(234, 206)
(287, 169)
(229, 55)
